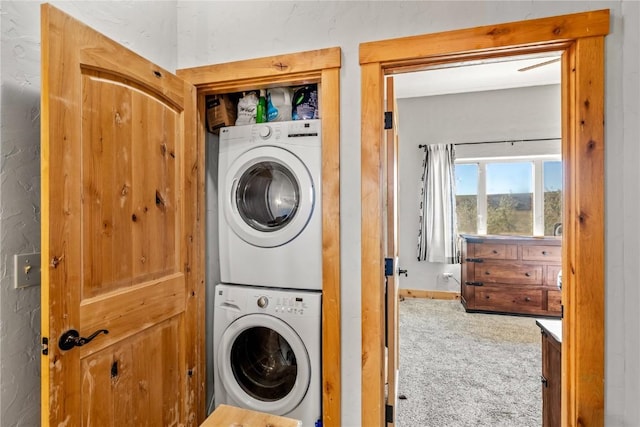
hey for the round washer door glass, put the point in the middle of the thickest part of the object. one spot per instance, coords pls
(271, 196)
(267, 196)
(263, 364)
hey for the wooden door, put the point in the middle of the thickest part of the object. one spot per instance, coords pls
(391, 136)
(121, 235)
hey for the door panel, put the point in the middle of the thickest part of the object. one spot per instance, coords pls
(130, 184)
(137, 396)
(121, 202)
(392, 319)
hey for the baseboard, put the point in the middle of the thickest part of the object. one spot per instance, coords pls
(420, 293)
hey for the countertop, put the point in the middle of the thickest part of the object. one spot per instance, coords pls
(552, 327)
(230, 416)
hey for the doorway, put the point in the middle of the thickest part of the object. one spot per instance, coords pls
(580, 38)
(321, 67)
(504, 121)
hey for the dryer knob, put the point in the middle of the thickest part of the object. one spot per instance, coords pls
(265, 132)
(263, 302)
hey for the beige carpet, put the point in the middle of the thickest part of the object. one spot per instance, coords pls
(467, 369)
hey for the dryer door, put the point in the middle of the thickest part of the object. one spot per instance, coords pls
(271, 196)
(263, 364)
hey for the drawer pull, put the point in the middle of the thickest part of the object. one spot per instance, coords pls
(544, 252)
(474, 259)
(527, 274)
(474, 283)
(527, 299)
(494, 251)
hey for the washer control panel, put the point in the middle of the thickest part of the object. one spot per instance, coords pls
(289, 305)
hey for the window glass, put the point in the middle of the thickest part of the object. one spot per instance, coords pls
(510, 198)
(263, 363)
(552, 179)
(267, 196)
(467, 197)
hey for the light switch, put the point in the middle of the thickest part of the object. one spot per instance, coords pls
(27, 270)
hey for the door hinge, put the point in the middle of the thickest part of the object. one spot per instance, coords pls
(388, 119)
(562, 311)
(388, 267)
(45, 346)
(388, 413)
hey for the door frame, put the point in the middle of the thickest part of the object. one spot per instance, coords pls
(580, 37)
(321, 67)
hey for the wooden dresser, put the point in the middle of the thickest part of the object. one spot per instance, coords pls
(506, 274)
(551, 371)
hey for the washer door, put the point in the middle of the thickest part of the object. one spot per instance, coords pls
(263, 364)
(271, 196)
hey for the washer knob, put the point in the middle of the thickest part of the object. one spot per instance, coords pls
(265, 132)
(263, 302)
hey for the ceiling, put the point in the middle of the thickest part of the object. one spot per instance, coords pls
(475, 77)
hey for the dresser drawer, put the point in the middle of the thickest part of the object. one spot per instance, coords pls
(495, 251)
(508, 300)
(541, 253)
(510, 273)
(551, 278)
(554, 302)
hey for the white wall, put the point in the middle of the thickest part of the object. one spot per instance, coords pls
(510, 114)
(218, 32)
(150, 29)
(215, 32)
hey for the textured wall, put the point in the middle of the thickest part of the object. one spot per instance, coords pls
(146, 27)
(19, 214)
(214, 32)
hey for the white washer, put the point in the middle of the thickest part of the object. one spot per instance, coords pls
(269, 188)
(267, 350)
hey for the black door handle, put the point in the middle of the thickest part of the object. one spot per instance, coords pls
(72, 338)
(474, 283)
(401, 271)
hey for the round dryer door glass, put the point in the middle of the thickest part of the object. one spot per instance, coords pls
(267, 196)
(263, 364)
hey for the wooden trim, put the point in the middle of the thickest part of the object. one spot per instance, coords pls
(323, 67)
(509, 35)
(582, 39)
(196, 288)
(422, 293)
(330, 113)
(372, 240)
(568, 221)
(585, 269)
(310, 63)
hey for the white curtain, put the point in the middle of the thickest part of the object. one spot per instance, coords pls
(437, 236)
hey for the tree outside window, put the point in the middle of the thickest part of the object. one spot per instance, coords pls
(509, 197)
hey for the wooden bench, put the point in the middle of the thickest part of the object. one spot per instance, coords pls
(230, 416)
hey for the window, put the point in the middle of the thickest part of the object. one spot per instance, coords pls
(509, 196)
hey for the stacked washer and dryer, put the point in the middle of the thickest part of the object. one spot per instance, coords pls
(267, 317)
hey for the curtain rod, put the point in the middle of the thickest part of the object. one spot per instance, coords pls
(499, 142)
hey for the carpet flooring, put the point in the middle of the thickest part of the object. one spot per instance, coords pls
(461, 369)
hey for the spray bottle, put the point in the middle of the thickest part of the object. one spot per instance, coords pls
(261, 110)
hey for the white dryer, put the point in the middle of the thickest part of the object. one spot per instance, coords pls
(267, 351)
(269, 189)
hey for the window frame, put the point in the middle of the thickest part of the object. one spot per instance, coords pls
(537, 181)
